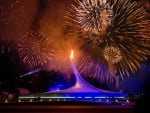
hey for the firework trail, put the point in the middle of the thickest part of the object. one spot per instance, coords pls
(35, 49)
(119, 28)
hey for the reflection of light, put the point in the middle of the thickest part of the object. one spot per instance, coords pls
(100, 97)
(88, 97)
(120, 97)
(71, 54)
(59, 97)
(77, 95)
(54, 89)
(77, 85)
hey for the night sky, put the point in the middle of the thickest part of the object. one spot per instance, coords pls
(46, 16)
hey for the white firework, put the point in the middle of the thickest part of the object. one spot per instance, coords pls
(94, 16)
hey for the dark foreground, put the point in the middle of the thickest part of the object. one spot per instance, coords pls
(64, 107)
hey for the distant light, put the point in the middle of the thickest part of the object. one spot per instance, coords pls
(127, 101)
(19, 100)
(107, 100)
(116, 100)
(31, 100)
(6, 101)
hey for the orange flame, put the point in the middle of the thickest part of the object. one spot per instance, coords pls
(71, 54)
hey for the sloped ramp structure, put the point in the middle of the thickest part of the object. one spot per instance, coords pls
(81, 91)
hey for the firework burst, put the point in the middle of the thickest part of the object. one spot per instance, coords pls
(35, 49)
(91, 17)
(112, 54)
(94, 15)
(120, 28)
(93, 69)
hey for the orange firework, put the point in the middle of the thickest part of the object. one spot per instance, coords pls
(118, 29)
(35, 49)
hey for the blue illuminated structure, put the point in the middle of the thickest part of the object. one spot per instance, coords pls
(81, 91)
